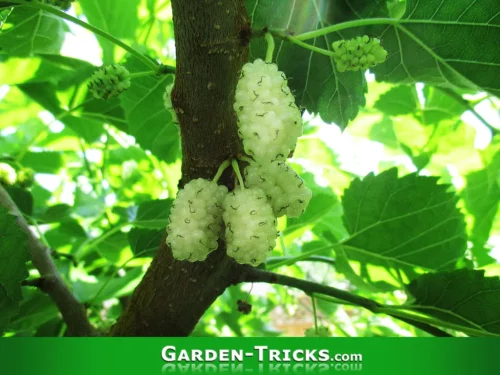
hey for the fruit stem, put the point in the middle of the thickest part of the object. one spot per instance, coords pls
(142, 74)
(246, 159)
(308, 46)
(315, 313)
(270, 47)
(222, 168)
(346, 25)
(236, 169)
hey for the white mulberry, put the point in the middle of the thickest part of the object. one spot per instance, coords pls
(283, 187)
(195, 220)
(269, 120)
(8, 175)
(109, 81)
(250, 226)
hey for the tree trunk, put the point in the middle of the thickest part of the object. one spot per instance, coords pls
(211, 39)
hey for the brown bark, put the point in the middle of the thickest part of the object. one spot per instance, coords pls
(212, 44)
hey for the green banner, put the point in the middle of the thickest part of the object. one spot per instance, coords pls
(252, 355)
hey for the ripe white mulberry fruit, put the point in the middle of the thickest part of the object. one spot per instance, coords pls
(195, 220)
(109, 81)
(321, 332)
(358, 53)
(283, 187)
(269, 120)
(8, 175)
(250, 226)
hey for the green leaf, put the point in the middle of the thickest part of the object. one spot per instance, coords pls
(109, 111)
(115, 248)
(148, 120)
(116, 19)
(482, 196)
(29, 31)
(115, 287)
(46, 95)
(463, 297)
(403, 222)
(56, 213)
(35, 310)
(145, 242)
(13, 257)
(317, 84)
(88, 205)
(400, 100)
(22, 198)
(153, 214)
(43, 162)
(383, 132)
(318, 207)
(439, 106)
(68, 233)
(453, 42)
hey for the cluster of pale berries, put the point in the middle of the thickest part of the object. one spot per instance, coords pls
(23, 178)
(109, 81)
(62, 4)
(269, 123)
(361, 52)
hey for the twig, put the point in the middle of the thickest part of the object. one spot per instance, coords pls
(72, 311)
(271, 261)
(468, 106)
(251, 274)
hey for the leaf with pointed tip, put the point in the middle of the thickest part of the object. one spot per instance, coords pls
(403, 222)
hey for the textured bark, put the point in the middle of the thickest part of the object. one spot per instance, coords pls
(212, 44)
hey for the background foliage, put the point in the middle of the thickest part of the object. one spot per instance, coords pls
(378, 225)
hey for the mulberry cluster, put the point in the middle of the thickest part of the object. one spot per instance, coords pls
(269, 120)
(358, 53)
(109, 81)
(250, 226)
(269, 124)
(284, 188)
(22, 178)
(195, 220)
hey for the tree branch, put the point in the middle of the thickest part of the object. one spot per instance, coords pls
(72, 311)
(251, 274)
